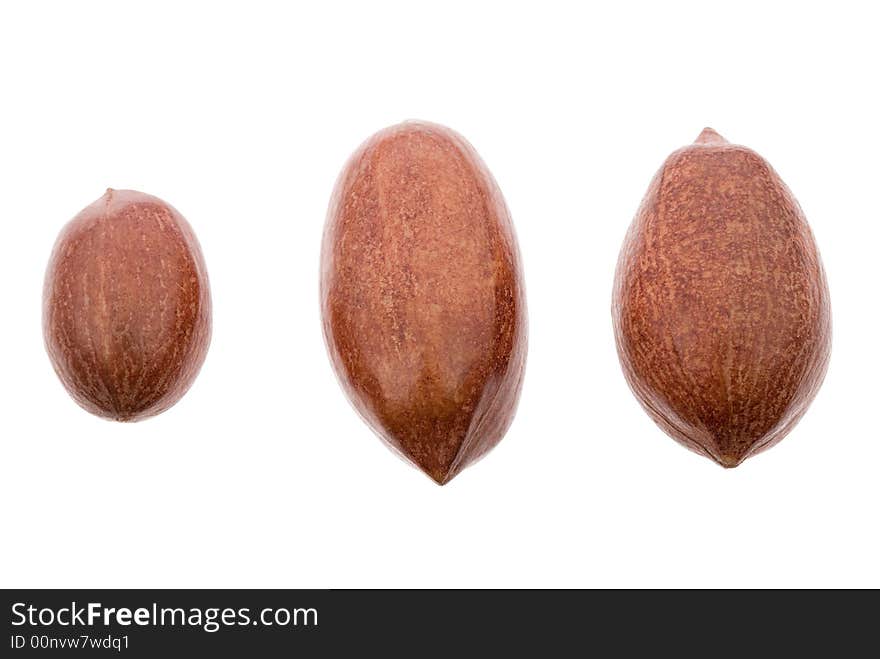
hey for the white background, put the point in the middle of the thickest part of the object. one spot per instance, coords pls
(241, 116)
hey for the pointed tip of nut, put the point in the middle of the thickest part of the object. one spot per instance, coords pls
(441, 477)
(729, 461)
(710, 136)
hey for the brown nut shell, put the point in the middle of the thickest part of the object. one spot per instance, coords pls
(422, 297)
(127, 306)
(721, 308)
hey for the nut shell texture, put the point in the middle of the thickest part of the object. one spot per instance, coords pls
(422, 297)
(721, 308)
(127, 306)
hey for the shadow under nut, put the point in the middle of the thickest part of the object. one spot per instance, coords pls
(422, 297)
(127, 306)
